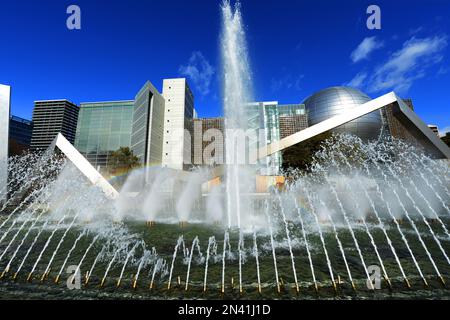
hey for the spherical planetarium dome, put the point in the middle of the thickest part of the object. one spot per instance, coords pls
(333, 101)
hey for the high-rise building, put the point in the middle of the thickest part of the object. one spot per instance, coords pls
(20, 131)
(148, 126)
(434, 128)
(103, 127)
(208, 147)
(179, 112)
(5, 107)
(51, 117)
(293, 118)
(276, 122)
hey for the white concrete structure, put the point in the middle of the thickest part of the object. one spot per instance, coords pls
(179, 108)
(405, 115)
(84, 166)
(5, 108)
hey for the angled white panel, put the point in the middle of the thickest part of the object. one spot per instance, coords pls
(5, 107)
(326, 125)
(415, 126)
(84, 166)
(405, 115)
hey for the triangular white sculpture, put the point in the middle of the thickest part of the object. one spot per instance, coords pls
(84, 166)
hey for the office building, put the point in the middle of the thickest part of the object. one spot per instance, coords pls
(5, 108)
(51, 117)
(208, 146)
(434, 128)
(103, 127)
(148, 126)
(20, 131)
(179, 112)
(276, 122)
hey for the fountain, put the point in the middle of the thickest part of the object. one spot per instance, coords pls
(323, 229)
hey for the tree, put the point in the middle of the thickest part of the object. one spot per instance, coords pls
(300, 155)
(123, 160)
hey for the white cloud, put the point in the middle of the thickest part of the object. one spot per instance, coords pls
(443, 131)
(200, 71)
(365, 48)
(358, 81)
(408, 64)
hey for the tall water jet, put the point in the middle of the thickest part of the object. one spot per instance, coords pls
(237, 85)
(195, 244)
(212, 246)
(256, 253)
(272, 243)
(81, 235)
(175, 251)
(288, 238)
(130, 253)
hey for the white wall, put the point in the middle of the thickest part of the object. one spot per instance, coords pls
(5, 106)
(176, 147)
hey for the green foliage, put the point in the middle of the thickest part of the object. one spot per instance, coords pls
(301, 155)
(123, 160)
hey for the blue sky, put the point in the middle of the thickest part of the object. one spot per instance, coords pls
(296, 48)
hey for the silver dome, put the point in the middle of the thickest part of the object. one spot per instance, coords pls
(336, 100)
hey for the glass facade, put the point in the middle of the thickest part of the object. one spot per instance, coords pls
(20, 130)
(103, 127)
(276, 121)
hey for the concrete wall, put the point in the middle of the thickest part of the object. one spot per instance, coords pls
(5, 106)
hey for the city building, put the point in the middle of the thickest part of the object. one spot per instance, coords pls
(51, 117)
(292, 119)
(20, 131)
(338, 100)
(179, 112)
(405, 122)
(5, 109)
(276, 122)
(208, 141)
(148, 126)
(103, 127)
(434, 128)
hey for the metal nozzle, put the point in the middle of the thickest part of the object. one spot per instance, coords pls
(388, 281)
(30, 277)
(442, 280)
(334, 285)
(425, 283)
(353, 286)
(57, 279)
(102, 284)
(408, 285)
(118, 283)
